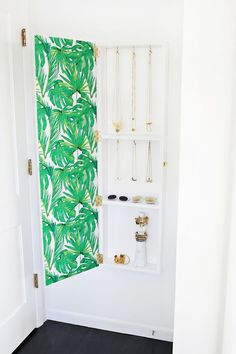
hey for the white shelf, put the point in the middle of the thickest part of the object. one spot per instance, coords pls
(130, 204)
(148, 268)
(143, 137)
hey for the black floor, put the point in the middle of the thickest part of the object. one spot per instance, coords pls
(61, 338)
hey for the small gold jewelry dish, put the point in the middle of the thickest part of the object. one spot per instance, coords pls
(150, 200)
(121, 259)
(136, 199)
(140, 199)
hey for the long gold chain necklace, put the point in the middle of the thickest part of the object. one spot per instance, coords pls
(134, 160)
(133, 98)
(149, 164)
(117, 122)
(149, 98)
(118, 160)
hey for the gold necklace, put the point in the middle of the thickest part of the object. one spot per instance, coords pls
(134, 159)
(118, 160)
(149, 103)
(117, 123)
(133, 118)
(149, 163)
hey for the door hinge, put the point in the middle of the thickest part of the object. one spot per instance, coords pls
(165, 163)
(98, 201)
(36, 281)
(30, 168)
(23, 37)
(96, 135)
(99, 258)
(96, 52)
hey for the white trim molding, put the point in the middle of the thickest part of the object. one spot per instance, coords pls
(113, 325)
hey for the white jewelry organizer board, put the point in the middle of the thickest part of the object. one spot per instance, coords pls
(117, 219)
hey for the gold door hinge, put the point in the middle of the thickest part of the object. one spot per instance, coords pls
(99, 258)
(96, 52)
(30, 168)
(36, 281)
(98, 201)
(23, 37)
(165, 163)
(96, 135)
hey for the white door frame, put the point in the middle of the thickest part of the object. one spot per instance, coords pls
(29, 70)
(16, 18)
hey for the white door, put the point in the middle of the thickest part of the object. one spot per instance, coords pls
(17, 298)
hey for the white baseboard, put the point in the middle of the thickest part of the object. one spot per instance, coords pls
(108, 324)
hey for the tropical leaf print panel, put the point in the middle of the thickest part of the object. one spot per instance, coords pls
(66, 114)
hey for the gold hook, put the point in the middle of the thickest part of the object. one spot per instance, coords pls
(134, 52)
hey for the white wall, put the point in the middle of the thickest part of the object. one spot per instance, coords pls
(208, 64)
(93, 298)
(229, 345)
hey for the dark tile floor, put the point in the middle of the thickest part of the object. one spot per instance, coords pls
(61, 338)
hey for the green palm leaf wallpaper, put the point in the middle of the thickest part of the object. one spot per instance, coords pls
(66, 115)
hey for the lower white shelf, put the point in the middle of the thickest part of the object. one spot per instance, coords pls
(148, 268)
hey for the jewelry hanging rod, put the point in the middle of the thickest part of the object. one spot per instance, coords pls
(132, 46)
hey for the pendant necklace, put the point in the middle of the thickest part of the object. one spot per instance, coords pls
(118, 160)
(149, 163)
(133, 119)
(134, 158)
(117, 123)
(149, 103)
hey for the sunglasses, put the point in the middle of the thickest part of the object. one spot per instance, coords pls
(122, 198)
(135, 199)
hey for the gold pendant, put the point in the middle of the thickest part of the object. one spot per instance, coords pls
(117, 126)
